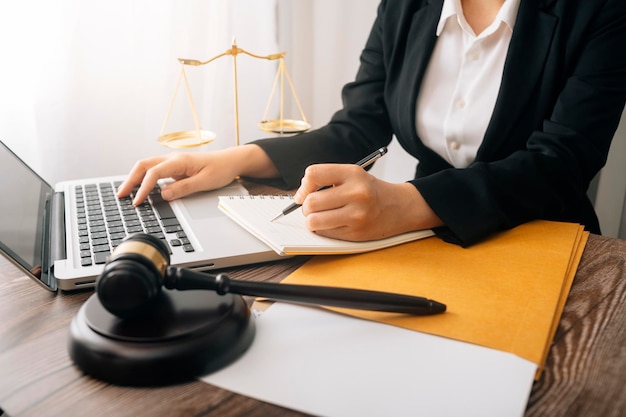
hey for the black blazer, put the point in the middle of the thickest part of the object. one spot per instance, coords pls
(560, 101)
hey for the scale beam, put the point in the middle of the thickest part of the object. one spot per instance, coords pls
(199, 137)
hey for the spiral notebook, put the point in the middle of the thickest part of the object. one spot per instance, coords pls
(288, 235)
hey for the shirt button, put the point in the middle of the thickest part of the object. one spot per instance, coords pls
(454, 145)
(473, 54)
(460, 104)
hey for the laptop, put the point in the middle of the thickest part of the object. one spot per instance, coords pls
(61, 236)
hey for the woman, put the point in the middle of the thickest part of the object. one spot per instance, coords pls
(509, 107)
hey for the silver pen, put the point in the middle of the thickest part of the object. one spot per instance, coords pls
(363, 163)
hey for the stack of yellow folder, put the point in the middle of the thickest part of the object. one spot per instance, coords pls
(505, 293)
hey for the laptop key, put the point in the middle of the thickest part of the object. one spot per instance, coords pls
(162, 207)
(100, 257)
(171, 229)
(170, 222)
(117, 236)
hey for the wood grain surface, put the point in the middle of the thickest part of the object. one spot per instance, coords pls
(585, 373)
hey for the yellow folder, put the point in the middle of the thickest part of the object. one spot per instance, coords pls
(505, 293)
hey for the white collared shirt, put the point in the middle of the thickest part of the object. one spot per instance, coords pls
(461, 83)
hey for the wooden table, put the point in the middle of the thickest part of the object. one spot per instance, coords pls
(585, 373)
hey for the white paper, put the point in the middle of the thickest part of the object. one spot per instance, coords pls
(327, 364)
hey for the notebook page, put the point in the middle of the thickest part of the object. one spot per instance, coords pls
(288, 235)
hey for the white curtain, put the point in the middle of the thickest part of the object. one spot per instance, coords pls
(85, 85)
(324, 39)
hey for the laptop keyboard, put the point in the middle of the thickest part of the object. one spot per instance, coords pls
(105, 220)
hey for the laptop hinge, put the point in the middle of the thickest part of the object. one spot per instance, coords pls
(57, 228)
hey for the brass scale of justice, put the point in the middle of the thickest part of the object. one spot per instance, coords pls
(199, 137)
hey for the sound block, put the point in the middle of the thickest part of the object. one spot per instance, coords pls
(186, 334)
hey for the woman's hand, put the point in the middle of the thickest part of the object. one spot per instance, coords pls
(196, 171)
(359, 206)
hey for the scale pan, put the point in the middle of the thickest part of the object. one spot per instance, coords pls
(187, 139)
(284, 126)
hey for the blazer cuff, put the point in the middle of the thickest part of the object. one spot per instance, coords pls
(466, 223)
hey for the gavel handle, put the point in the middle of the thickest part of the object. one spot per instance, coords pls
(186, 279)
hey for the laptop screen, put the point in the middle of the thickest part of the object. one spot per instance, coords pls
(23, 196)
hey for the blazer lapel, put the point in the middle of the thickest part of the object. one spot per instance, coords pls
(524, 64)
(422, 38)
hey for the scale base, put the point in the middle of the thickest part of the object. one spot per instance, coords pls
(186, 335)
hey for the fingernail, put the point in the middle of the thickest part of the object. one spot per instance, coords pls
(167, 194)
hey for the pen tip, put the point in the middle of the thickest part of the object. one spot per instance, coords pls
(278, 216)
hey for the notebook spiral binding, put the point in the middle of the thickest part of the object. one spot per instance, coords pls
(262, 197)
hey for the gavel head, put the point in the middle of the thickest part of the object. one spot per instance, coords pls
(133, 275)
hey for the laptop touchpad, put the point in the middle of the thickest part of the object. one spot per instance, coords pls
(200, 207)
(203, 205)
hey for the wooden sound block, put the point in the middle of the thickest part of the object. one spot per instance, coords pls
(185, 335)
